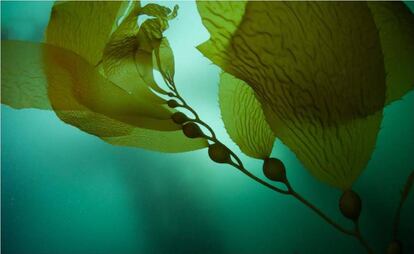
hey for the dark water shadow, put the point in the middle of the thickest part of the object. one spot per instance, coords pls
(176, 220)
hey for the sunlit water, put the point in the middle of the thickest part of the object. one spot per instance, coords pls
(64, 191)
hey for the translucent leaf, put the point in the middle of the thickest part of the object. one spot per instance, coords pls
(243, 118)
(163, 58)
(70, 83)
(118, 59)
(130, 46)
(316, 67)
(124, 10)
(155, 10)
(94, 123)
(174, 13)
(149, 37)
(38, 73)
(395, 23)
(222, 19)
(83, 27)
(160, 12)
(170, 142)
(23, 83)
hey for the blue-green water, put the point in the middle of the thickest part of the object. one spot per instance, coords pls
(64, 191)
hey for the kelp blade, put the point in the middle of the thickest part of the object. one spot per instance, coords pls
(118, 60)
(395, 24)
(163, 59)
(222, 19)
(29, 80)
(243, 117)
(83, 27)
(23, 82)
(74, 84)
(318, 71)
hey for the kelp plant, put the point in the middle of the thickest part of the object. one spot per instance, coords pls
(316, 75)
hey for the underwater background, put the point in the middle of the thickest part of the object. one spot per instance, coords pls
(64, 191)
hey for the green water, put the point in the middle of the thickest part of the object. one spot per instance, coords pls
(64, 191)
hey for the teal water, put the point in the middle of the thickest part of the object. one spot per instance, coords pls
(64, 191)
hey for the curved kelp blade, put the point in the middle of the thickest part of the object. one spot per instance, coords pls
(124, 10)
(169, 142)
(118, 60)
(222, 19)
(150, 37)
(163, 58)
(155, 10)
(83, 27)
(316, 67)
(243, 118)
(395, 24)
(69, 73)
(75, 85)
(23, 82)
(44, 76)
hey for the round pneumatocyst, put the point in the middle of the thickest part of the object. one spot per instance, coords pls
(274, 169)
(172, 103)
(179, 118)
(219, 153)
(350, 204)
(192, 130)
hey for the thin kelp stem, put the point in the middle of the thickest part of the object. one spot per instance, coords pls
(361, 239)
(238, 164)
(404, 194)
(318, 211)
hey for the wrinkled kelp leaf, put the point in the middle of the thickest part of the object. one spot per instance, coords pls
(243, 117)
(83, 27)
(72, 82)
(149, 37)
(163, 58)
(222, 19)
(316, 67)
(130, 45)
(23, 84)
(395, 23)
(118, 60)
(83, 98)
(171, 142)
(124, 10)
(156, 10)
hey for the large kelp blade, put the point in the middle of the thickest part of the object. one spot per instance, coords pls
(23, 83)
(68, 74)
(316, 67)
(29, 80)
(59, 78)
(395, 23)
(222, 19)
(83, 27)
(169, 142)
(155, 10)
(118, 59)
(243, 117)
(124, 10)
(163, 57)
(336, 154)
(149, 38)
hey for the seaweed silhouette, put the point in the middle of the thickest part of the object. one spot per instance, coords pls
(316, 75)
